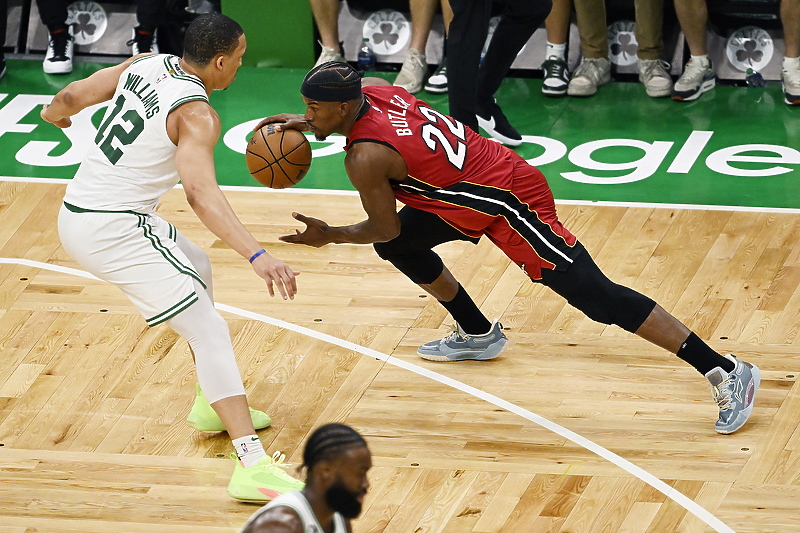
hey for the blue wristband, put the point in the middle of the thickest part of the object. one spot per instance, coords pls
(261, 251)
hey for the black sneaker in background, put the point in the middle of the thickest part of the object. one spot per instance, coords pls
(58, 59)
(494, 122)
(556, 77)
(143, 41)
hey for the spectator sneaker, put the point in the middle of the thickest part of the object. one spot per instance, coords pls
(329, 54)
(459, 346)
(58, 59)
(263, 482)
(735, 393)
(790, 81)
(437, 84)
(696, 79)
(412, 74)
(202, 417)
(143, 41)
(654, 74)
(590, 74)
(556, 77)
(494, 122)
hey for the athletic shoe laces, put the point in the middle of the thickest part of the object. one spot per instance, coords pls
(59, 42)
(554, 68)
(722, 393)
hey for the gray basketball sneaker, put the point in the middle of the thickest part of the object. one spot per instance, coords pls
(460, 346)
(735, 393)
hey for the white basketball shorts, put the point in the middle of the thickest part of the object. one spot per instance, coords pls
(137, 253)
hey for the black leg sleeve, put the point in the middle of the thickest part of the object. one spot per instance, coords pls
(53, 13)
(520, 18)
(465, 39)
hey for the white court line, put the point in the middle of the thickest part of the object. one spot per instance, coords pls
(326, 192)
(678, 497)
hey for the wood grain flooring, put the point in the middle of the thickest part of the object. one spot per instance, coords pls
(93, 402)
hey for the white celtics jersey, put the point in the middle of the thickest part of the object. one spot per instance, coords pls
(298, 503)
(132, 162)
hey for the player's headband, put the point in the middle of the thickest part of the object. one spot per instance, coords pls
(332, 82)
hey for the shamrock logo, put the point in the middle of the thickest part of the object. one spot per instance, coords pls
(87, 21)
(750, 53)
(386, 34)
(388, 30)
(625, 47)
(749, 47)
(83, 26)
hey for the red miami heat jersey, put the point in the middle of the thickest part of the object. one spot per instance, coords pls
(477, 185)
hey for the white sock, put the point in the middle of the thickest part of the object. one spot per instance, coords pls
(701, 60)
(249, 450)
(556, 51)
(791, 63)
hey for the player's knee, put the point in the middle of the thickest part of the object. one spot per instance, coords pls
(616, 304)
(421, 267)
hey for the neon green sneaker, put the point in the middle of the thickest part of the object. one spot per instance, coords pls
(263, 482)
(203, 417)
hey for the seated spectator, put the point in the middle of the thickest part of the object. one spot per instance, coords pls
(595, 68)
(412, 74)
(556, 71)
(698, 74)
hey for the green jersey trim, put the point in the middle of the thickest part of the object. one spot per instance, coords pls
(168, 255)
(76, 209)
(172, 311)
(181, 101)
(173, 70)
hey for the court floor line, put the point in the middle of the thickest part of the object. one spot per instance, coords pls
(678, 497)
(607, 203)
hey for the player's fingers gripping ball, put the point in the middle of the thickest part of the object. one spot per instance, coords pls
(278, 159)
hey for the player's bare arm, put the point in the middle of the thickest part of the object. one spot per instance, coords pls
(78, 95)
(370, 167)
(276, 520)
(195, 128)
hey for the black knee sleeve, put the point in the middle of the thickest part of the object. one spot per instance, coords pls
(586, 288)
(411, 251)
(422, 267)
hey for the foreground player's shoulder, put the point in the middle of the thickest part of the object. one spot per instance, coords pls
(280, 519)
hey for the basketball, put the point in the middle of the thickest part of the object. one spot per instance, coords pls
(278, 159)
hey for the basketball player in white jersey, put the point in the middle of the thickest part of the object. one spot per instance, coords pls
(336, 459)
(158, 129)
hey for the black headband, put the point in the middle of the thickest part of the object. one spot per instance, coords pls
(332, 82)
(329, 93)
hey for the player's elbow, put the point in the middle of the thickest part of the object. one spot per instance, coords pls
(387, 233)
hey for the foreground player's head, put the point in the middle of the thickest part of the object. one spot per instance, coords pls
(337, 459)
(214, 45)
(333, 98)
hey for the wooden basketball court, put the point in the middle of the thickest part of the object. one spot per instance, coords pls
(93, 402)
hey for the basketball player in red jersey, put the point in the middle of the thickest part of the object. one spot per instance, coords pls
(457, 185)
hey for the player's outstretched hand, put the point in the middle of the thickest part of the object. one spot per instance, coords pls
(64, 122)
(275, 270)
(284, 121)
(316, 232)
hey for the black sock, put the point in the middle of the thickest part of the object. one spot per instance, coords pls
(467, 314)
(700, 355)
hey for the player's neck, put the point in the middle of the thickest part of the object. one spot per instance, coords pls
(357, 113)
(321, 509)
(194, 70)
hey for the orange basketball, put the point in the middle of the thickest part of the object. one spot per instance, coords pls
(278, 159)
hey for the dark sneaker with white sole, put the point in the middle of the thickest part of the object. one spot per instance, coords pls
(494, 122)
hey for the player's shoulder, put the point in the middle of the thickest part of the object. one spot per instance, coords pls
(279, 519)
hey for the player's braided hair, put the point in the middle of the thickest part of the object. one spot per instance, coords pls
(329, 441)
(333, 81)
(209, 35)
